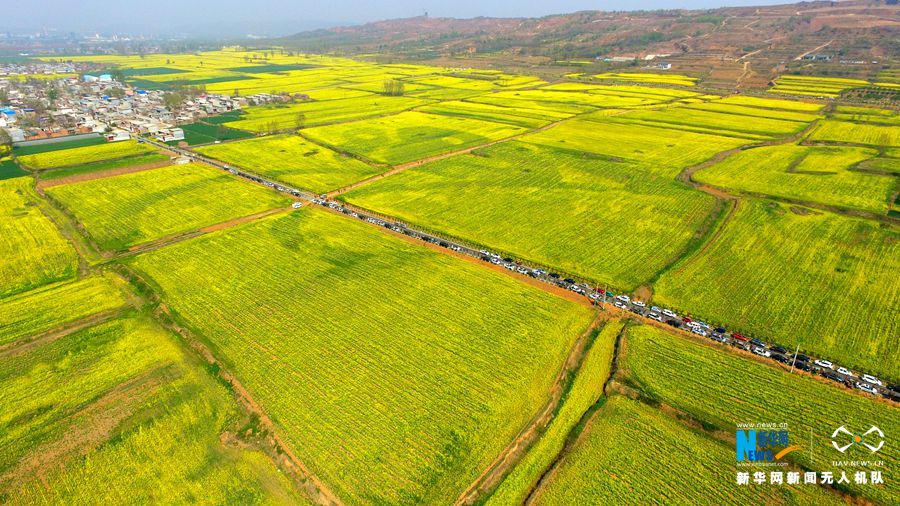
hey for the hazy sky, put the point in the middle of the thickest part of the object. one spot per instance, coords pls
(286, 16)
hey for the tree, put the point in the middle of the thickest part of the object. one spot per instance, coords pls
(237, 92)
(300, 120)
(173, 100)
(5, 143)
(394, 87)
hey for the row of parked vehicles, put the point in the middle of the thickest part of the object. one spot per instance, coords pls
(863, 382)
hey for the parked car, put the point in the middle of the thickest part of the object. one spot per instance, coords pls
(639, 304)
(845, 371)
(554, 275)
(824, 364)
(621, 305)
(762, 352)
(867, 388)
(623, 298)
(801, 358)
(871, 379)
(569, 281)
(779, 349)
(669, 313)
(656, 316)
(757, 342)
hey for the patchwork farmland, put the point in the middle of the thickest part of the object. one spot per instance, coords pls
(412, 284)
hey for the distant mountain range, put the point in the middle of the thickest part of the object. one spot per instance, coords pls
(863, 28)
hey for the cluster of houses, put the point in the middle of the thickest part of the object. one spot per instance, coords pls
(99, 103)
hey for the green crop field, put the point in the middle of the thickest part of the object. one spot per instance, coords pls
(811, 174)
(619, 460)
(48, 307)
(664, 151)
(797, 276)
(123, 211)
(586, 389)
(396, 373)
(558, 208)
(9, 169)
(292, 160)
(202, 133)
(83, 155)
(722, 389)
(117, 414)
(410, 136)
(881, 136)
(284, 117)
(520, 116)
(77, 170)
(32, 251)
(47, 147)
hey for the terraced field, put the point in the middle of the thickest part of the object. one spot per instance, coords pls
(32, 251)
(123, 211)
(725, 123)
(798, 276)
(118, 414)
(824, 175)
(617, 461)
(293, 160)
(76, 170)
(285, 117)
(637, 77)
(712, 386)
(83, 155)
(51, 306)
(771, 103)
(586, 389)
(558, 208)
(410, 136)
(396, 373)
(866, 115)
(663, 151)
(881, 136)
(815, 86)
(519, 116)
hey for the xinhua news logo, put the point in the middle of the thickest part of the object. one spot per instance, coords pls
(762, 445)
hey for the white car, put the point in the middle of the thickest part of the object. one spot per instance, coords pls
(824, 364)
(656, 316)
(639, 303)
(623, 298)
(699, 331)
(669, 313)
(865, 387)
(845, 371)
(762, 352)
(872, 379)
(621, 305)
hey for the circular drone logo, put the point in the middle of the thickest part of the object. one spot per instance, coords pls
(857, 439)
